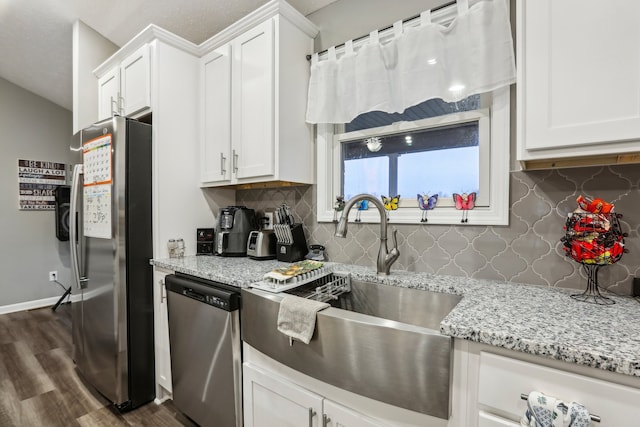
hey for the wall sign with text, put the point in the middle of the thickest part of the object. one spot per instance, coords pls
(37, 181)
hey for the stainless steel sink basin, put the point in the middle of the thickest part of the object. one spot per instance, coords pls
(411, 306)
(378, 341)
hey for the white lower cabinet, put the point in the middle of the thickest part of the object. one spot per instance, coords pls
(273, 401)
(488, 420)
(336, 415)
(161, 335)
(501, 381)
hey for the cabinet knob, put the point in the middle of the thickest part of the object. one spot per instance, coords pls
(223, 161)
(325, 420)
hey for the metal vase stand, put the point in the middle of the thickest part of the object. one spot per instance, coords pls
(592, 293)
(594, 240)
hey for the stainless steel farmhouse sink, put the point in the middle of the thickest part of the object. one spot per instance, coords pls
(378, 341)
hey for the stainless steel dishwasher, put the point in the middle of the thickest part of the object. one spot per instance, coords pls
(206, 362)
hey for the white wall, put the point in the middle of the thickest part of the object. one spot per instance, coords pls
(90, 49)
(349, 19)
(33, 129)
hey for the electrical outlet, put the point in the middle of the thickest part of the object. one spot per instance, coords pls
(53, 276)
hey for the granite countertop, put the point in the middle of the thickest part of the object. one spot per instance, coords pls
(532, 319)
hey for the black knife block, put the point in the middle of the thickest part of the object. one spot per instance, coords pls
(295, 251)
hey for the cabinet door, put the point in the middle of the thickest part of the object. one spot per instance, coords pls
(579, 67)
(135, 81)
(336, 415)
(270, 401)
(108, 93)
(215, 159)
(253, 108)
(161, 333)
(502, 380)
(488, 420)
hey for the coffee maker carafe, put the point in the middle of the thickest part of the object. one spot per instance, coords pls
(232, 230)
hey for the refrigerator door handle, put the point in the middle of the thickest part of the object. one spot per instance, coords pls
(73, 229)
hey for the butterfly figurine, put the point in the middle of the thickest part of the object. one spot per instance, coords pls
(390, 203)
(338, 206)
(465, 202)
(426, 203)
(362, 205)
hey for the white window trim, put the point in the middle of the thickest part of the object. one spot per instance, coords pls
(497, 213)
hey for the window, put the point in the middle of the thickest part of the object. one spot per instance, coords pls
(459, 148)
(431, 158)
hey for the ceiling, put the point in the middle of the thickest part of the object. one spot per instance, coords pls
(36, 35)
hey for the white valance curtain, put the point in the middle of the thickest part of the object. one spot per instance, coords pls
(473, 54)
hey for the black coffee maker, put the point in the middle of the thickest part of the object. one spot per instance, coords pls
(232, 230)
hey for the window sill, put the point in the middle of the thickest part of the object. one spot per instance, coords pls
(438, 216)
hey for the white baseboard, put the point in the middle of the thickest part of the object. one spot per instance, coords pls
(30, 305)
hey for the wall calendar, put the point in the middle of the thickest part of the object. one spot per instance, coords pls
(98, 179)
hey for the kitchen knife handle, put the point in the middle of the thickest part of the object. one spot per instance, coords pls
(223, 161)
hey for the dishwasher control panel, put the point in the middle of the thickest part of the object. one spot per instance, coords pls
(206, 292)
(207, 299)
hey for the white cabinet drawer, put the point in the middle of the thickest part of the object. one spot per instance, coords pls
(502, 380)
(488, 420)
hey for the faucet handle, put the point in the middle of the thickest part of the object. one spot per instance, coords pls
(395, 239)
(392, 255)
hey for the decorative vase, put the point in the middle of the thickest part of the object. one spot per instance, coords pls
(595, 240)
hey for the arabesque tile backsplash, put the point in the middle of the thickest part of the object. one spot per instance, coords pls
(528, 250)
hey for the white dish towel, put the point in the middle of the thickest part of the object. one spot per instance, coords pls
(546, 411)
(297, 317)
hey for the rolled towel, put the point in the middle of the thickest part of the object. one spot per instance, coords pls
(297, 317)
(547, 411)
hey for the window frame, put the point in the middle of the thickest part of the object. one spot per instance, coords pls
(496, 213)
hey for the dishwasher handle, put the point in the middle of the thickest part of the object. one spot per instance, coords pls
(195, 295)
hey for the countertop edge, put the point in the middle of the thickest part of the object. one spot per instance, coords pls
(463, 322)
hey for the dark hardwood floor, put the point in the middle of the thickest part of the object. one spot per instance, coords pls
(39, 385)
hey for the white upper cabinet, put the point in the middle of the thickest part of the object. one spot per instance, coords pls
(108, 94)
(254, 89)
(126, 88)
(135, 82)
(215, 159)
(253, 102)
(578, 78)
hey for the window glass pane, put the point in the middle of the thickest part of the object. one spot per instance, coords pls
(366, 176)
(443, 160)
(447, 171)
(424, 110)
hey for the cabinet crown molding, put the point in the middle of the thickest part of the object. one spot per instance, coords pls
(269, 10)
(153, 32)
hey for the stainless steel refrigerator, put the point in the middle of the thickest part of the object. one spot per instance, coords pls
(111, 244)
